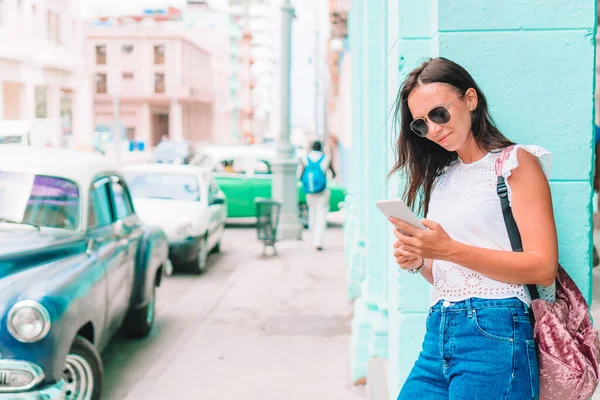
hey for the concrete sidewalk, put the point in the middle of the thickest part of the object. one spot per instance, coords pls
(280, 331)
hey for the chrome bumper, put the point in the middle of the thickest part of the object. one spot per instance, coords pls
(54, 392)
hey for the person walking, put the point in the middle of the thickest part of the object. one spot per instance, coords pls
(313, 174)
(479, 338)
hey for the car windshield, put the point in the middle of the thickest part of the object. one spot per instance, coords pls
(163, 185)
(39, 200)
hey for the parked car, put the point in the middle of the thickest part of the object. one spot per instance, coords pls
(76, 265)
(187, 202)
(244, 174)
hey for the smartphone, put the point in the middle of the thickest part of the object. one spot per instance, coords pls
(398, 209)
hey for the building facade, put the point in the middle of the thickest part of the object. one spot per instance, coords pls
(390, 38)
(161, 78)
(42, 70)
(211, 25)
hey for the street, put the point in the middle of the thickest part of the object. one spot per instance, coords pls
(249, 328)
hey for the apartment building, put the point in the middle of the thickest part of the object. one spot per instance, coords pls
(159, 76)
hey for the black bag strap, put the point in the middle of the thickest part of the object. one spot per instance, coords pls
(511, 227)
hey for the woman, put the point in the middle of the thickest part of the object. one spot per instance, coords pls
(479, 339)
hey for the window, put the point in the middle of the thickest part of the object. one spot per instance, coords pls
(123, 205)
(262, 167)
(101, 55)
(56, 31)
(40, 200)
(130, 132)
(159, 83)
(164, 185)
(101, 84)
(66, 112)
(127, 48)
(50, 25)
(41, 102)
(159, 54)
(128, 75)
(99, 206)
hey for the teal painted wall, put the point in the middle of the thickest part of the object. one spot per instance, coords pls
(535, 63)
(356, 221)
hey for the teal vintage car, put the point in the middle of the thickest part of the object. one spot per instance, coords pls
(244, 174)
(76, 266)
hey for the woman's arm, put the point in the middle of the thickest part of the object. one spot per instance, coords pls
(427, 271)
(532, 209)
(408, 263)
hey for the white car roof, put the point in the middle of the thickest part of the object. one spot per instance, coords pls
(205, 173)
(158, 167)
(80, 167)
(219, 153)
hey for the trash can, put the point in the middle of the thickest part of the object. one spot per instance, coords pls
(267, 220)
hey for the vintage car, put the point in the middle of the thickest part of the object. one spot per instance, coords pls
(187, 203)
(244, 174)
(76, 265)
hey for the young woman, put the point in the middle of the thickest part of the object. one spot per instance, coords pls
(479, 339)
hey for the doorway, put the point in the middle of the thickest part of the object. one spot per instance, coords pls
(160, 127)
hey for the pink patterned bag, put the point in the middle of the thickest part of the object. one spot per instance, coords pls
(567, 344)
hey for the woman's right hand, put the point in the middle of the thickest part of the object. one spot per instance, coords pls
(403, 261)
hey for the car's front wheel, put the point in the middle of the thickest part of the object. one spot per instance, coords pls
(83, 371)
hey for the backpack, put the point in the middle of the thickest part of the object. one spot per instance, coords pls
(314, 179)
(568, 347)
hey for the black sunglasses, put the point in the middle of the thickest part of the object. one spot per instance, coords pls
(439, 114)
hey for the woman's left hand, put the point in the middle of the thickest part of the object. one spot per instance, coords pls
(433, 243)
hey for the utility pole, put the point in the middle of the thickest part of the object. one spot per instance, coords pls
(285, 166)
(317, 60)
(116, 103)
(248, 40)
(117, 127)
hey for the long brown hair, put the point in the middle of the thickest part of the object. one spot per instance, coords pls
(420, 158)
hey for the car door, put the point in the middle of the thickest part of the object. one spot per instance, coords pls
(262, 179)
(235, 182)
(103, 245)
(128, 234)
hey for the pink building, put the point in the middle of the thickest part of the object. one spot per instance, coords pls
(162, 78)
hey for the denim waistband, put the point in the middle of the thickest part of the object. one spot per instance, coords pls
(477, 303)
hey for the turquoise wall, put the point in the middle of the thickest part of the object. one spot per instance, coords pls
(535, 63)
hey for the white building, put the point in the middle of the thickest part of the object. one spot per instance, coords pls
(211, 25)
(42, 76)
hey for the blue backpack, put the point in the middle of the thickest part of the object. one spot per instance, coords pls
(314, 179)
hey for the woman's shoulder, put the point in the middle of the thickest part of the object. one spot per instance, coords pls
(511, 157)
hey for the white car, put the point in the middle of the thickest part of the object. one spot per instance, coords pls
(187, 203)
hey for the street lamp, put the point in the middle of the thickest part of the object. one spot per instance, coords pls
(285, 186)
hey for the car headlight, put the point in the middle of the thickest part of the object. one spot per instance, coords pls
(28, 321)
(184, 231)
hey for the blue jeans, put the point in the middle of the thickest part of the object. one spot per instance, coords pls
(476, 349)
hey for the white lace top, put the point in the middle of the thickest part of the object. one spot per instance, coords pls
(464, 201)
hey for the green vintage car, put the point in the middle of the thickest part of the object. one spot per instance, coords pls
(244, 174)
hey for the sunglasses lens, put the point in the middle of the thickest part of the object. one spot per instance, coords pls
(439, 115)
(419, 126)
